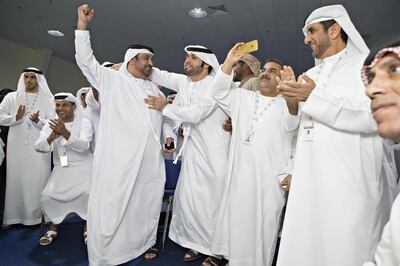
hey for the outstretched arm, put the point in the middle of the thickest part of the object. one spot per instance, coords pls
(222, 85)
(98, 76)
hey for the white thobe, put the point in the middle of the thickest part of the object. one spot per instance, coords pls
(67, 190)
(249, 216)
(92, 113)
(390, 169)
(204, 157)
(387, 252)
(128, 169)
(336, 206)
(2, 154)
(22, 202)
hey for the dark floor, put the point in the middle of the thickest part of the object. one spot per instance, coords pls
(19, 246)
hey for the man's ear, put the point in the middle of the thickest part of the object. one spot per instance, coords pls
(205, 65)
(132, 61)
(334, 31)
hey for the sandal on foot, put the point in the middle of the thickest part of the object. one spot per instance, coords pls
(151, 253)
(213, 261)
(191, 255)
(6, 226)
(47, 238)
(85, 237)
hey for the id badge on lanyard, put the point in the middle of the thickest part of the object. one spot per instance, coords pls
(308, 129)
(248, 140)
(64, 159)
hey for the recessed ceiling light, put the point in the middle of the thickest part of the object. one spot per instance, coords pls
(197, 13)
(55, 33)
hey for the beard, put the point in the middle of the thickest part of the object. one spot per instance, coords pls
(321, 48)
(30, 87)
(193, 71)
(146, 70)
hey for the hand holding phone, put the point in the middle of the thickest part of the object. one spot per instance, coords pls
(248, 47)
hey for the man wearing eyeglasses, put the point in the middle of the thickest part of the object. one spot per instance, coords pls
(260, 151)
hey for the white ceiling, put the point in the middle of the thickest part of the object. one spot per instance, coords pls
(166, 26)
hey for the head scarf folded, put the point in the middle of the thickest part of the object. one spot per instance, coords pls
(41, 80)
(355, 43)
(205, 54)
(83, 90)
(132, 51)
(389, 44)
(65, 96)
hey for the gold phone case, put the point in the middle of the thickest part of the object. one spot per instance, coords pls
(248, 47)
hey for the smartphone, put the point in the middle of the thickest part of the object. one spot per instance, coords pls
(171, 146)
(248, 47)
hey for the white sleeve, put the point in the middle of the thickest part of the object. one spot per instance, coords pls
(167, 79)
(168, 129)
(45, 114)
(91, 101)
(97, 75)
(2, 154)
(6, 118)
(342, 113)
(40, 124)
(80, 143)
(384, 255)
(41, 144)
(223, 89)
(201, 108)
(291, 122)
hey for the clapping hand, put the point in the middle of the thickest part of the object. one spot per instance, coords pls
(58, 126)
(35, 117)
(20, 112)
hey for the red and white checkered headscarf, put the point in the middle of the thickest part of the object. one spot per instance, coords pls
(365, 70)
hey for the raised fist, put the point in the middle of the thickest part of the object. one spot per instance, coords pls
(85, 14)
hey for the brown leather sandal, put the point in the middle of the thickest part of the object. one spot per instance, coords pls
(213, 261)
(191, 255)
(151, 253)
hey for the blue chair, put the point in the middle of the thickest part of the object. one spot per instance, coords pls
(171, 173)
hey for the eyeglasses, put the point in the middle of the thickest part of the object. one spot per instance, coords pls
(269, 70)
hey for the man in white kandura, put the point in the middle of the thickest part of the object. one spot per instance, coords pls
(81, 96)
(92, 113)
(260, 152)
(68, 136)
(25, 112)
(128, 169)
(381, 75)
(93, 109)
(336, 206)
(204, 150)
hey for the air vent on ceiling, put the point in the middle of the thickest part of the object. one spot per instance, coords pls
(218, 10)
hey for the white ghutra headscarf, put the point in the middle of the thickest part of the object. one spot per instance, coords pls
(355, 43)
(206, 55)
(132, 51)
(41, 80)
